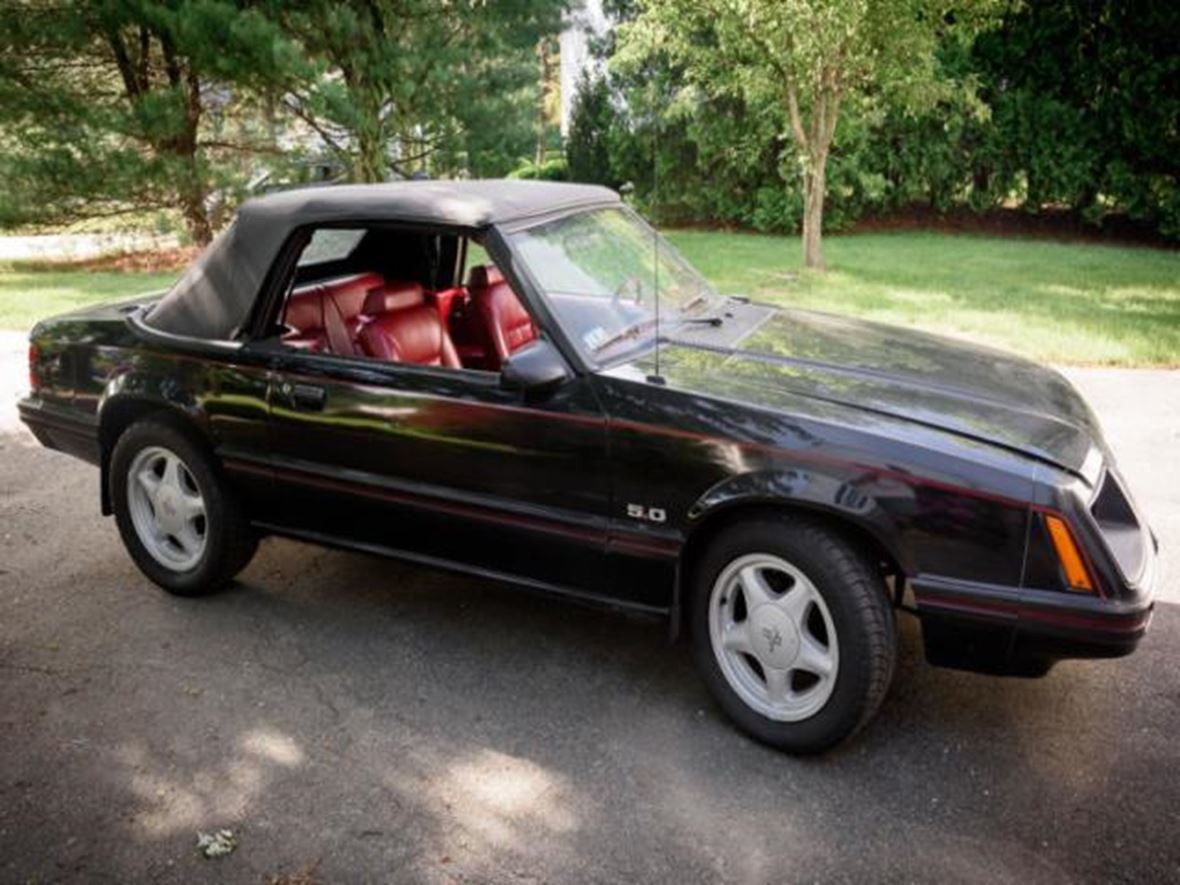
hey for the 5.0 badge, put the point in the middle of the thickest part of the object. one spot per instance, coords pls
(649, 514)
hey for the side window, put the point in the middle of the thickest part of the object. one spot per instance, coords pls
(474, 256)
(402, 296)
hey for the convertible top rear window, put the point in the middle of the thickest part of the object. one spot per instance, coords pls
(330, 244)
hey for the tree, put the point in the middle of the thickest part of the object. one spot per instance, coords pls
(804, 61)
(108, 107)
(548, 93)
(588, 145)
(403, 82)
(1085, 102)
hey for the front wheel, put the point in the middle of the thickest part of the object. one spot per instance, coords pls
(793, 632)
(178, 520)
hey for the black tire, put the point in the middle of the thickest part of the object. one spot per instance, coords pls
(856, 598)
(230, 542)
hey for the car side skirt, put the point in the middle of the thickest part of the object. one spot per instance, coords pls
(565, 593)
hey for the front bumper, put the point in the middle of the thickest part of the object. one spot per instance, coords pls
(1007, 631)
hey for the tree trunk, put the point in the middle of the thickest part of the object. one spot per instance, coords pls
(370, 160)
(196, 219)
(813, 214)
(542, 88)
(194, 192)
(369, 164)
(813, 142)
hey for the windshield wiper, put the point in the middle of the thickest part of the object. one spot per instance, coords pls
(704, 321)
(629, 332)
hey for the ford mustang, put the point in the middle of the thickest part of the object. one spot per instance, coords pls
(524, 381)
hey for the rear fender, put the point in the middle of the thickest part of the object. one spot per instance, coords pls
(131, 396)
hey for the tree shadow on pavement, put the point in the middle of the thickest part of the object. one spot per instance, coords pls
(395, 723)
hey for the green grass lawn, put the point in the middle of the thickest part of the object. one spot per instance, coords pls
(1069, 303)
(29, 292)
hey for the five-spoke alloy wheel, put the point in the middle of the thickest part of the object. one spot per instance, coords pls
(792, 630)
(178, 518)
(167, 508)
(773, 637)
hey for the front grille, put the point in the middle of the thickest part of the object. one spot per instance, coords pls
(1119, 525)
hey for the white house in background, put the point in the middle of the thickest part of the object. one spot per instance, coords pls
(584, 22)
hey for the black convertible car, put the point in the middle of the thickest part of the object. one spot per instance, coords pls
(524, 381)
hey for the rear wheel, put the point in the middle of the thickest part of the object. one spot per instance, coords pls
(178, 520)
(793, 632)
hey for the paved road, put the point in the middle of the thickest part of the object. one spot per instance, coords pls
(380, 723)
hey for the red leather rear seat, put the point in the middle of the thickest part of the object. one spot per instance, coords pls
(349, 295)
(404, 328)
(329, 316)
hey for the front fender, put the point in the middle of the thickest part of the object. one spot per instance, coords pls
(851, 503)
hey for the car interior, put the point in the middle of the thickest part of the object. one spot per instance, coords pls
(421, 298)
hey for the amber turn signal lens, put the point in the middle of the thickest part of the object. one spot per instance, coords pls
(1068, 554)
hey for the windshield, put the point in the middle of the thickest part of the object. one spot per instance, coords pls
(600, 271)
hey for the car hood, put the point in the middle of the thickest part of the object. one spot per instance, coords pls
(970, 390)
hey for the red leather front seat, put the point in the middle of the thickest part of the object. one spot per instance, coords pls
(506, 325)
(305, 317)
(405, 329)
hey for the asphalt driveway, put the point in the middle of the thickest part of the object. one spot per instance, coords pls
(368, 721)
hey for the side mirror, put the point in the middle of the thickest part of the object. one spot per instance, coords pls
(534, 369)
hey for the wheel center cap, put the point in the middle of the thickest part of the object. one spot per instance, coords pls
(775, 637)
(168, 510)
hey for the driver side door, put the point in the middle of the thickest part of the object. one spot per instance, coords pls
(443, 466)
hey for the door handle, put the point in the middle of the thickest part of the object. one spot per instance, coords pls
(306, 396)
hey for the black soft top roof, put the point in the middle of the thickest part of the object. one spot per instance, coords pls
(214, 296)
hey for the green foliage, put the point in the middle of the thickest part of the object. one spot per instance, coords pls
(1060, 106)
(113, 107)
(591, 122)
(552, 169)
(791, 66)
(124, 108)
(1086, 107)
(120, 106)
(406, 86)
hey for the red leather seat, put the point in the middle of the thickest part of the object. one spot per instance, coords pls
(404, 328)
(329, 316)
(305, 317)
(503, 323)
(449, 302)
(349, 296)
